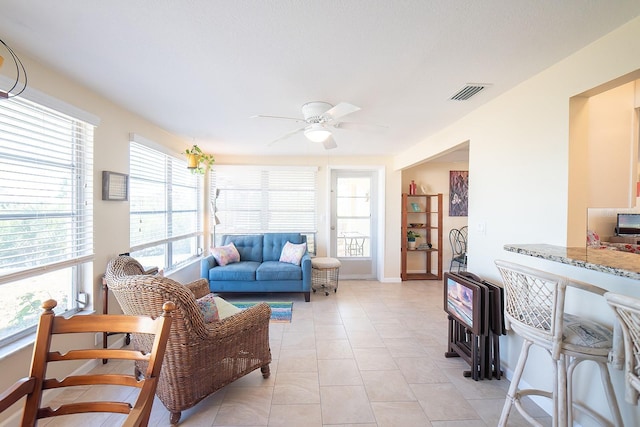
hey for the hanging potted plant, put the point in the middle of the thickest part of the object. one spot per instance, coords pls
(198, 161)
(411, 239)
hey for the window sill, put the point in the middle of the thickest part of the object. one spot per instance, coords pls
(26, 341)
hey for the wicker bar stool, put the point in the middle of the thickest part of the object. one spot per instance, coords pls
(534, 309)
(627, 310)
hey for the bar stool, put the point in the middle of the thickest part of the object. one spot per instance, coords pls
(627, 310)
(534, 309)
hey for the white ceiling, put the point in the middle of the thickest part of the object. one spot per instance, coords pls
(202, 68)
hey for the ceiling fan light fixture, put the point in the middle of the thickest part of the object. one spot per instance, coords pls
(317, 133)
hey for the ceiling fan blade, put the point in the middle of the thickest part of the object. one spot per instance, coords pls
(263, 116)
(367, 127)
(329, 143)
(286, 135)
(341, 110)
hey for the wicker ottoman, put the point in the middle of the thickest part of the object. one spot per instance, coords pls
(324, 274)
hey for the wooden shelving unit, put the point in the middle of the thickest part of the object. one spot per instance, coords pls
(426, 211)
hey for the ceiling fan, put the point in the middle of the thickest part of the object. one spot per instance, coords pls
(319, 119)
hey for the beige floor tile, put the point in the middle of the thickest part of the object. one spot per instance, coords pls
(399, 414)
(365, 339)
(295, 415)
(460, 423)
(292, 360)
(404, 347)
(490, 410)
(421, 370)
(338, 372)
(296, 388)
(442, 401)
(298, 341)
(393, 330)
(334, 349)
(330, 332)
(345, 405)
(244, 406)
(370, 359)
(387, 386)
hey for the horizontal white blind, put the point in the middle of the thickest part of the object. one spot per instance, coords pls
(262, 199)
(163, 198)
(46, 189)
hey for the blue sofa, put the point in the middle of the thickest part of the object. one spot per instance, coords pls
(259, 269)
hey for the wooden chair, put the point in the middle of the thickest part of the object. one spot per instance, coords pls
(534, 309)
(51, 325)
(201, 357)
(627, 310)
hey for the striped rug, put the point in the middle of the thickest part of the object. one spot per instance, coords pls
(280, 311)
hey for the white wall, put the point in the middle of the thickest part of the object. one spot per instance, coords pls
(520, 167)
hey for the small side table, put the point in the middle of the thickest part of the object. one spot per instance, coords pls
(324, 274)
(105, 310)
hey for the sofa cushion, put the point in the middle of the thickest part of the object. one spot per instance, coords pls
(249, 246)
(275, 270)
(293, 253)
(274, 242)
(226, 254)
(243, 270)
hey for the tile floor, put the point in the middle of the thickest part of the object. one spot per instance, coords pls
(371, 354)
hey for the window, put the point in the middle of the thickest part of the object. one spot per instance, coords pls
(165, 208)
(260, 199)
(46, 212)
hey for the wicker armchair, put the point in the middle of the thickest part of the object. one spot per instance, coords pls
(201, 357)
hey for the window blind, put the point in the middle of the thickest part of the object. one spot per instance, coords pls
(259, 199)
(164, 201)
(46, 190)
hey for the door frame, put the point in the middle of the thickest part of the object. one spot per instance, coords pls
(377, 252)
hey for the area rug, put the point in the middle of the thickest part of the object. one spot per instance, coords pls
(280, 311)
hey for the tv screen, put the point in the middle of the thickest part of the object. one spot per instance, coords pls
(464, 300)
(628, 223)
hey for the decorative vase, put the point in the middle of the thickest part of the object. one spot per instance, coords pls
(412, 188)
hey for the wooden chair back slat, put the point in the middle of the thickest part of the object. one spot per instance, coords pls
(106, 379)
(56, 356)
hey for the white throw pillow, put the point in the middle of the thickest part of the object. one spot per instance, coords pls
(293, 253)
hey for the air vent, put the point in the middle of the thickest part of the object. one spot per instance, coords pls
(468, 91)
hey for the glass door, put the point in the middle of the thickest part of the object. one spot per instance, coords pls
(353, 222)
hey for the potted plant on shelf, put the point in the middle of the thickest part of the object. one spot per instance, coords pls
(197, 160)
(411, 239)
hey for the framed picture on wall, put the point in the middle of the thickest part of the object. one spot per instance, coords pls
(458, 193)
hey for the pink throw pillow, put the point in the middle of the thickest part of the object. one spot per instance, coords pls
(226, 254)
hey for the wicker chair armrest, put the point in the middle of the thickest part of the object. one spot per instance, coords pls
(587, 287)
(199, 288)
(252, 318)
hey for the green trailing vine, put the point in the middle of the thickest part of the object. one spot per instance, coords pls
(198, 161)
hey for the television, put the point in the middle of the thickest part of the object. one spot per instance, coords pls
(464, 300)
(628, 224)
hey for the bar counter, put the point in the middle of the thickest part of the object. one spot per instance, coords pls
(619, 263)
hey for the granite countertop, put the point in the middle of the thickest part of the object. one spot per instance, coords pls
(619, 263)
